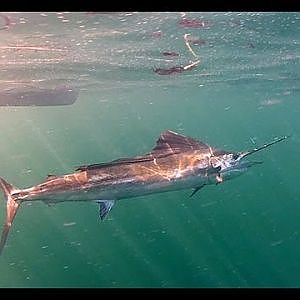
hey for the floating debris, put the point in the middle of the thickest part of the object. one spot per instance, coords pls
(69, 224)
(172, 70)
(171, 53)
(193, 23)
(180, 69)
(276, 243)
(176, 69)
(187, 43)
(209, 203)
(270, 102)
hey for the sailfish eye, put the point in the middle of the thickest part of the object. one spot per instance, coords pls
(235, 156)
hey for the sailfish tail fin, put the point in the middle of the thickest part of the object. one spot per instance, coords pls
(12, 206)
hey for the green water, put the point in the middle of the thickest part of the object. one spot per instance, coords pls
(242, 233)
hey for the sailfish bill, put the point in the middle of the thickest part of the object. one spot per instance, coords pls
(176, 162)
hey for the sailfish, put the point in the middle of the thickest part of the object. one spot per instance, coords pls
(176, 162)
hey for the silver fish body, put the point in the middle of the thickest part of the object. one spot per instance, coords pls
(176, 162)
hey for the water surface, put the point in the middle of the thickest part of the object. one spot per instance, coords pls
(244, 92)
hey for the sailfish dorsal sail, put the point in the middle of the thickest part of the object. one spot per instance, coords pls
(175, 142)
(168, 143)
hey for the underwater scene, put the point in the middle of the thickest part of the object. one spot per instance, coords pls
(123, 138)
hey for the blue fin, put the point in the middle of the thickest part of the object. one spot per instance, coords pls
(105, 207)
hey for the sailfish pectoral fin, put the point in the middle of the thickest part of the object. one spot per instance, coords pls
(104, 207)
(196, 190)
